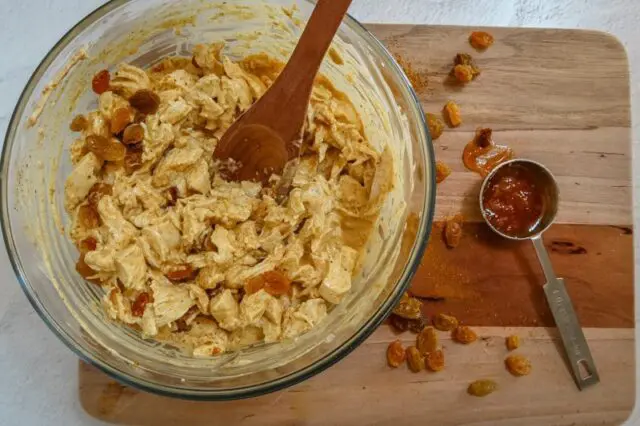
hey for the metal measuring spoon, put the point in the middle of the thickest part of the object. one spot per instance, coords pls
(575, 344)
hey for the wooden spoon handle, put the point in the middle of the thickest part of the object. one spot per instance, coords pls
(317, 35)
(293, 86)
(269, 133)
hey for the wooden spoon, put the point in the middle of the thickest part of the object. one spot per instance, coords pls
(269, 134)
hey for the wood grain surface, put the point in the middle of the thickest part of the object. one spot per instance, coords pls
(488, 280)
(362, 390)
(557, 96)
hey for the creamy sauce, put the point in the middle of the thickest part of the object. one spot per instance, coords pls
(46, 92)
(276, 38)
(176, 246)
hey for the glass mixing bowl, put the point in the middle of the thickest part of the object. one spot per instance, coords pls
(35, 164)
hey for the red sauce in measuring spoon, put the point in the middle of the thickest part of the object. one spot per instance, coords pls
(512, 201)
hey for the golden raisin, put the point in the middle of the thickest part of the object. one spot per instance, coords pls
(403, 324)
(518, 365)
(395, 354)
(512, 342)
(483, 137)
(482, 387)
(120, 119)
(273, 282)
(172, 197)
(464, 73)
(434, 361)
(444, 322)
(480, 40)
(409, 307)
(133, 158)
(276, 283)
(133, 134)
(181, 273)
(442, 171)
(145, 101)
(466, 59)
(463, 334)
(254, 285)
(88, 217)
(427, 340)
(138, 306)
(79, 123)
(399, 323)
(453, 230)
(436, 126)
(97, 191)
(181, 325)
(100, 82)
(87, 245)
(417, 325)
(106, 149)
(452, 113)
(85, 270)
(415, 361)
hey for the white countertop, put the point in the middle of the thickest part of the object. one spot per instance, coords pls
(37, 372)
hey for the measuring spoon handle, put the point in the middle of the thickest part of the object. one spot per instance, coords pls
(573, 340)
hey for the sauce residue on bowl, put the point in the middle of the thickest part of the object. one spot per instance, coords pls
(512, 201)
(481, 155)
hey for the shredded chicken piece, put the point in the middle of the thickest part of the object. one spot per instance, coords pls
(174, 244)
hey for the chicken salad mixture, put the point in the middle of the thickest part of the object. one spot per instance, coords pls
(192, 259)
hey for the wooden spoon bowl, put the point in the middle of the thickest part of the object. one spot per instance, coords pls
(267, 135)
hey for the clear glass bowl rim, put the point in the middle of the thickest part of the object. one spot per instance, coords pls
(339, 353)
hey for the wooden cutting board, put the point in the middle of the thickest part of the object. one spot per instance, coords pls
(557, 96)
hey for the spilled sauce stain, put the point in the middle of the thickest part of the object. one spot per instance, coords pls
(625, 230)
(567, 247)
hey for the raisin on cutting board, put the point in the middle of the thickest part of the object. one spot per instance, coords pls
(442, 171)
(480, 40)
(452, 113)
(436, 126)
(398, 323)
(427, 341)
(482, 387)
(453, 231)
(463, 73)
(444, 322)
(395, 354)
(434, 361)
(518, 365)
(409, 307)
(464, 334)
(465, 60)
(417, 325)
(415, 360)
(512, 342)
